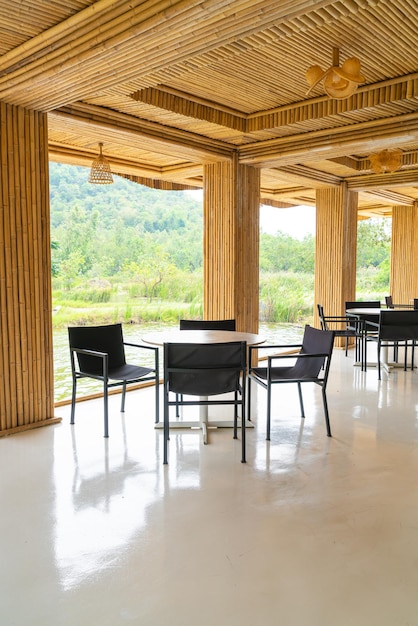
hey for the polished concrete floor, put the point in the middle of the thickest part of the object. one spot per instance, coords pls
(312, 531)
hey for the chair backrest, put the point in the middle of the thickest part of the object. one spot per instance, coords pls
(321, 316)
(398, 325)
(107, 339)
(314, 341)
(207, 325)
(371, 304)
(415, 303)
(204, 369)
(389, 302)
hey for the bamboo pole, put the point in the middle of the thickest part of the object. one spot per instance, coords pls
(26, 368)
(231, 231)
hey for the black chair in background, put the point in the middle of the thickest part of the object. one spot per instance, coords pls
(312, 364)
(99, 352)
(207, 325)
(343, 326)
(363, 304)
(365, 317)
(397, 329)
(205, 370)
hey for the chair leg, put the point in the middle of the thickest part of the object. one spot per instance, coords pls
(378, 361)
(166, 427)
(302, 408)
(268, 412)
(249, 399)
(122, 406)
(235, 436)
(157, 400)
(73, 400)
(324, 399)
(243, 436)
(106, 409)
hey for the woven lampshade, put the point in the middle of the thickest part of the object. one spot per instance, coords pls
(100, 173)
(386, 161)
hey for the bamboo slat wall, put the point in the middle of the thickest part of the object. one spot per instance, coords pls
(404, 254)
(335, 252)
(231, 243)
(26, 364)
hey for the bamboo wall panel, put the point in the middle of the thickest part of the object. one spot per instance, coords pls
(335, 250)
(26, 363)
(404, 254)
(231, 243)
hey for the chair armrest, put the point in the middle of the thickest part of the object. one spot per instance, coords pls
(89, 352)
(270, 346)
(140, 345)
(101, 355)
(298, 356)
(373, 324)
(263, 346)
(336, 318)
(154, 348)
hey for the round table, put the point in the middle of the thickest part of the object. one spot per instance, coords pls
(159, 338)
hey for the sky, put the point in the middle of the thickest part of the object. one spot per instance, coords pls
(296, 221)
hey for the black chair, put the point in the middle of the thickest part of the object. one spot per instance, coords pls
(364, 318)
(207, 324)
(343, 326)
(205, 370)
(397, 329)
(99, 352)
(313, 360)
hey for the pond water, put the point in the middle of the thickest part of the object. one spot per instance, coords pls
(274, 333)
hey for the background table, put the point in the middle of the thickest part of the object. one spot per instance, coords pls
(372, 315)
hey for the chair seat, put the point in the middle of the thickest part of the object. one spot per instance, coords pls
(129, 372)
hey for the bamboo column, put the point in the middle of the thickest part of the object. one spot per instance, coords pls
(231, 243)
(404, 254)
(335, 250)
(26, 364)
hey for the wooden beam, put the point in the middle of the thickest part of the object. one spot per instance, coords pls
(359, 138)
(401, 178)
(180, 172)
(156, 137)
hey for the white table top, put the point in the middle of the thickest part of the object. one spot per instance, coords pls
(375, 311)
(367, 311)
(201, 336)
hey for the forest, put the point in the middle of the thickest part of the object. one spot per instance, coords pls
(125, 252)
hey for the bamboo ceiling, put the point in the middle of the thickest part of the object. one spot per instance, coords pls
(171, 85)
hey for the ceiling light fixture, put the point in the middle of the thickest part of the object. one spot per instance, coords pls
(100, 173)
(339, 82)
(386, 161)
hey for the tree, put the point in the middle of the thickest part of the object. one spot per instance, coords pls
(151, 269)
